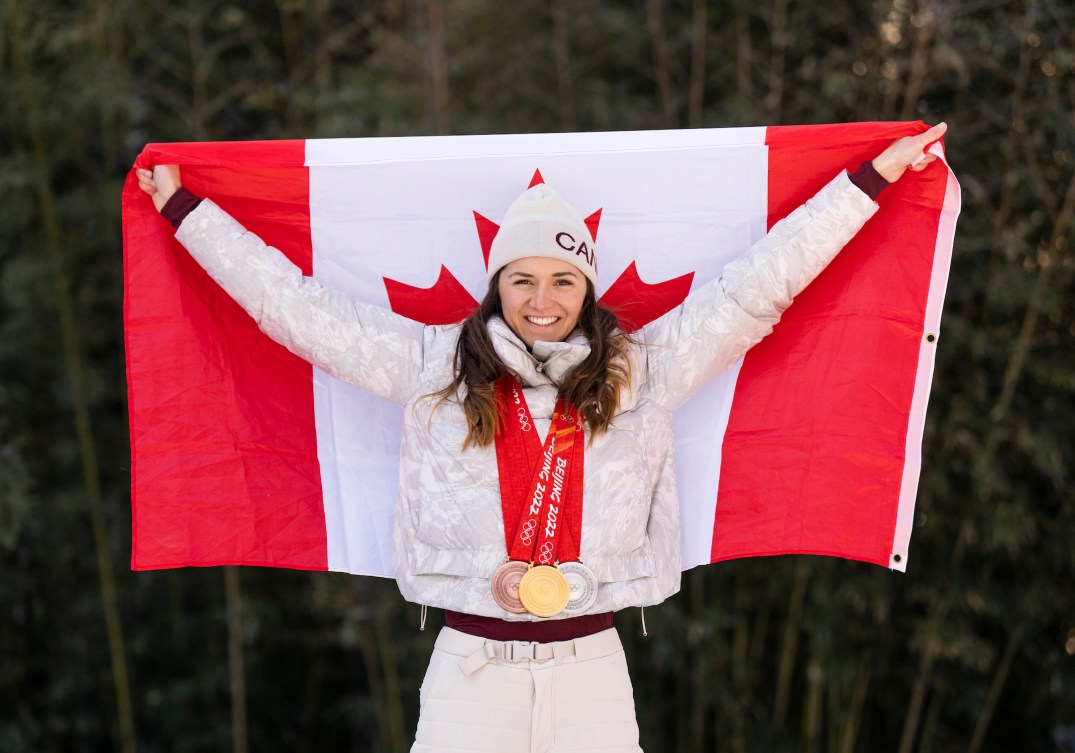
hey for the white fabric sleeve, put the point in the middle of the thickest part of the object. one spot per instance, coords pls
(720, 321)
(372, 348)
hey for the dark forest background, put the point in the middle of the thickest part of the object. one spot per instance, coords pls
(973, 649)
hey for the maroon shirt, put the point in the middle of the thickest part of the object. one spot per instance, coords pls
(545, 631)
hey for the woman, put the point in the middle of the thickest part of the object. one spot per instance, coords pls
(536, 492)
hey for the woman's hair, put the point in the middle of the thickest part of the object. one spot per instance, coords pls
(594, 385)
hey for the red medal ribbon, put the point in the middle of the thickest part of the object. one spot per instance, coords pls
(546, 514)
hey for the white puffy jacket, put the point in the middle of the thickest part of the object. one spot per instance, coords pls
(449, 535)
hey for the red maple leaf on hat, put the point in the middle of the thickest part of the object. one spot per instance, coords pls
(635, 301)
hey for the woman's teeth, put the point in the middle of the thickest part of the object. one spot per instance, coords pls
(542, 321)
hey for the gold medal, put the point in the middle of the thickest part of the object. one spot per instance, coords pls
(505, 585)
(544, 591)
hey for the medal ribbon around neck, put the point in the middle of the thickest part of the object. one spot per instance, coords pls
(546, 513)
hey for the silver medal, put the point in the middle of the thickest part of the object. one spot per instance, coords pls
(583, 587)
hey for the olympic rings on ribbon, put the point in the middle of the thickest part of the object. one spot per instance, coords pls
(524, 419)
(527, 532)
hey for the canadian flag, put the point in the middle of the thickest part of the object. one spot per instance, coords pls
(244, 454)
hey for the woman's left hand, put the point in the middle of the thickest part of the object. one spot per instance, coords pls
(908, 153)
(160, 183)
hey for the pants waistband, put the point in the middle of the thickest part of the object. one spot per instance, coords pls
(474, 651)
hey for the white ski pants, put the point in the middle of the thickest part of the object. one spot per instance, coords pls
(520, 697)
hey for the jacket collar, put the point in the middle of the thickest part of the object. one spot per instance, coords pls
(548, 363)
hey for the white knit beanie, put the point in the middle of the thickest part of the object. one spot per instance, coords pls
(540, 223)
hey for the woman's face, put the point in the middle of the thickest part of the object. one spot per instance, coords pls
(541, 298)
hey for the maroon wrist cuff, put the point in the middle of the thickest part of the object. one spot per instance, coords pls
(869, 180)
(181, 203)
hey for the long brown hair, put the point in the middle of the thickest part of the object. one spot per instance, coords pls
(594, 385)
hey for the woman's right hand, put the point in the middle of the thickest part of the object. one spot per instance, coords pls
(160, 182)
(908, 153)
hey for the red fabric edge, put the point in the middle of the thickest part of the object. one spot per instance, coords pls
(235, 172)
(812, 155)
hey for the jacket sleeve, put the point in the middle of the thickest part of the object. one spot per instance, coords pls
(723, 319)
(365, 345)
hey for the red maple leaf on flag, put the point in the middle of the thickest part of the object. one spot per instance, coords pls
(635, 301)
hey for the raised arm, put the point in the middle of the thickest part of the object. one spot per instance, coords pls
(727, 316)
(365, 345)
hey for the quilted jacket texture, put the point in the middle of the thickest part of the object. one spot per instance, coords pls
(448, 536)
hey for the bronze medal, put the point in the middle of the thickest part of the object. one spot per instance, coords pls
(544, 591)
(505, 585)
(582, 584)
